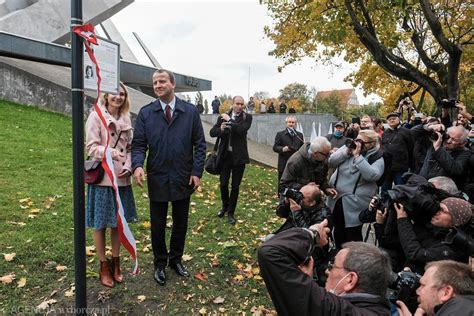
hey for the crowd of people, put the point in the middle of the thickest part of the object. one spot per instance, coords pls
(411, 182)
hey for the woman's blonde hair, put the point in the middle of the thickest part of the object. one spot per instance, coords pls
(125, 108)
(370, 134)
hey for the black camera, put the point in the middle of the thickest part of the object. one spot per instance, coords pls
(293, 194)
(404, 286)
(351, 143)
(434, 136)
(447, 104)
(228, 125)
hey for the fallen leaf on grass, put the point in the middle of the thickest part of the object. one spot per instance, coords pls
(6, 279)
(16, 223)
(21, 282)
(141, 298)
(228, 244)
(186, 257)
(70, 292)
(45, 305)
(90, 251)
(61, 268)
(238, 278)
(200, 276)
(35, 211)
(203, 311)
(218, 300)
(9, 256)
(189, 296)
(146, 224)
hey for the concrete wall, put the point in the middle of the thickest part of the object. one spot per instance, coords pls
(265, 126)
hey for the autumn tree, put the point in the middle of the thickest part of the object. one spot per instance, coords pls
(296, 91)
(417, 45)
(331, 104)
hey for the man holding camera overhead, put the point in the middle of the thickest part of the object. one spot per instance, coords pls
(232, 154)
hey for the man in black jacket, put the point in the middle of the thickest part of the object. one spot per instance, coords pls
(287, 142)
(446, 157)
(357, 279)
(397, 144)
(232, 154)
(428, 244)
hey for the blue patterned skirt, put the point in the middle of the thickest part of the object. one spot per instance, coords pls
(101, 211)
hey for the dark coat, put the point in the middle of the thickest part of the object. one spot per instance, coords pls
(237, 136)
(175, 151)
(283, 139)
(426, 245)
(398, 144)
(461, 305)
(295, 293)
(301, 170)
(450, 163)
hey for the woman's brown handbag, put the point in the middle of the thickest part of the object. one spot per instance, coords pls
(93, 170)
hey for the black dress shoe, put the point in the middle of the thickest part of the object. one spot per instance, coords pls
(221, 213)
(180, 270)
(160, 276)
(231, 219)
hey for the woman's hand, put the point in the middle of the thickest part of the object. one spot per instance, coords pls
(380, 217)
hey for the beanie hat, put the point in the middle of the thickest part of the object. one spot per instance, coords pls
(460, 210)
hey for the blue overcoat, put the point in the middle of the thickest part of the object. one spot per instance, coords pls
(175, 151)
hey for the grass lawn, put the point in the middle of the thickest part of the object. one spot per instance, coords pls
(36, 234)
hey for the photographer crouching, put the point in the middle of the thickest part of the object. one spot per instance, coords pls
(356, 284)
(304, 208)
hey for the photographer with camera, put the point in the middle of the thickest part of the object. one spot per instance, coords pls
(359, 165)
(303, 209)
(446, 288)
(232, 154)
(447, 156)
(356, 284)
(429, 244)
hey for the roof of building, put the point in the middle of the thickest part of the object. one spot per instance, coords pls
(344, 94)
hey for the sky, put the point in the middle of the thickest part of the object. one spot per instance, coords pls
(222, 41)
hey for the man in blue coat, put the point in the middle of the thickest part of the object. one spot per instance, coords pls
(170, 129)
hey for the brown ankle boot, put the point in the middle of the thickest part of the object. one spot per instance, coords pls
(105, 274)
(118, 276)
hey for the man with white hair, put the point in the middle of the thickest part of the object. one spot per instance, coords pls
(447, 156)
(309, 164)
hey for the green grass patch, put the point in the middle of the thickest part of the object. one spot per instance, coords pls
(36, 224)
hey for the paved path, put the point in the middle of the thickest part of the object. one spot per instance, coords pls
(259, 153)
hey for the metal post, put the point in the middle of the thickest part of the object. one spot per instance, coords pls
(77, 86)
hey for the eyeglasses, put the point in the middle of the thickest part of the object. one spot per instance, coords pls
(325, 155)
(331, 266)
